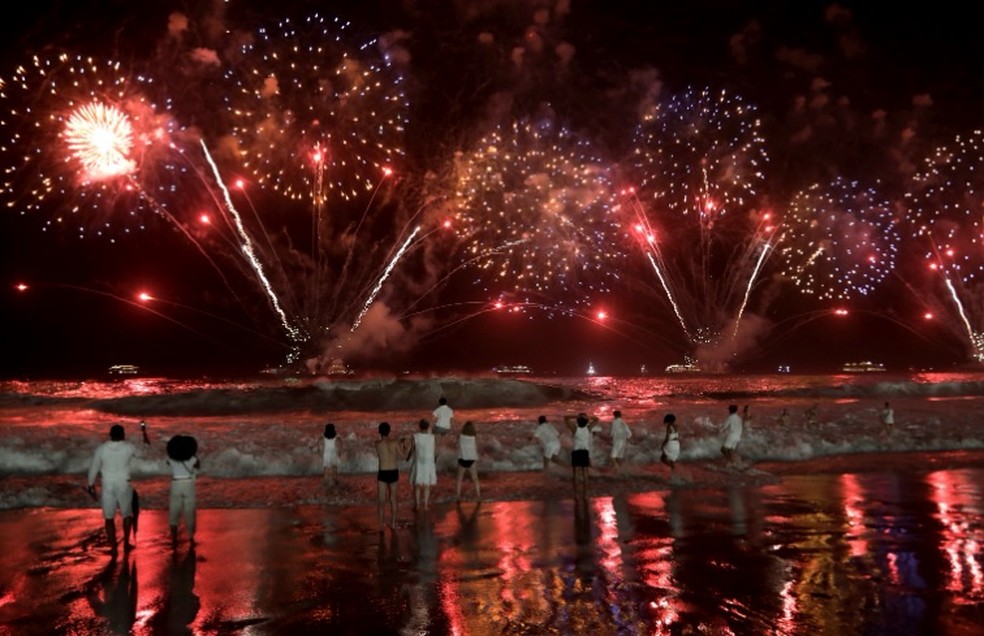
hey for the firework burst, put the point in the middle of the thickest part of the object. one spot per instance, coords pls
(84, 144)
(536, 205)
(839, 241)
(314, 115)
(947, 204)
(698, 161)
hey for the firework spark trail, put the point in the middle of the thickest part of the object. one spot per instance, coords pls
(669, 295)
(971, 334)
(698, 161)
(766, 248)
(383, 277)
(247, 250)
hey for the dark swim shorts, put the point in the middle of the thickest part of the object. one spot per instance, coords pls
(388, 476)
(466, 463)
(580, 459)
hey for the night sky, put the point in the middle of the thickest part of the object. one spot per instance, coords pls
(850, 93)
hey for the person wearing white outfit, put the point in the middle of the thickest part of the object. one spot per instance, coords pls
(671, 443)
(732, 429)
(888, 418)
(443, 415)
(424, 465)
(620, 438)
(549, 439)
(329, 454)
(181, 502)
(112, 462)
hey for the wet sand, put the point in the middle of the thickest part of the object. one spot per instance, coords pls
(891, 551)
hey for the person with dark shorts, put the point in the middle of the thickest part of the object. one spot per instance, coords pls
(387, 451)
(580, 451)
(467, 456)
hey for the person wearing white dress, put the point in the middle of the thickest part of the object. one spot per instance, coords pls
(549, 439)
(732, 429)
(329, 454)
(620, 438)
(424, 465)
(671, 443)
(888, 418)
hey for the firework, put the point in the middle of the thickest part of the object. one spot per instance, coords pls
(839, 241)
(313, 114)
(83, 143)
(698, 161)
(536, 205)
(946, 204)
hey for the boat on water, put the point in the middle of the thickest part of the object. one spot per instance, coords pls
(512, 369)
(865, 366)
(124, 369)
(686, 367)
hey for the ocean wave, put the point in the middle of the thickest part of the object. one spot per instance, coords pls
(325, 396)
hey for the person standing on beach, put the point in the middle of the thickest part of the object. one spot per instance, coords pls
(549, 439)
(888, 418)
(182, 457)
(443, 415)
(425, 465)
(732, 429)
(671, 443)
(467, 456)
(329, 455)
(620, 439)
(581, 451)
(387, 451)
(112, 462)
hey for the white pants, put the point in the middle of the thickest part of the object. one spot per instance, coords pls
(182, 500)
(117, 493)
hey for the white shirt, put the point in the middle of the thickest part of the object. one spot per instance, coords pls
(442, 417)
(620, 430)
(467, 448)
(582, 438)
(112, 459)
(182, 469)
(732, 429)
(546, 434)
(888, 416)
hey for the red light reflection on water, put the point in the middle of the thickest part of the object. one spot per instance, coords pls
(950, 492)
(853, 496)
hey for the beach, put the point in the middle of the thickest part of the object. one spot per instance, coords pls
(824, 526)
(885, 550)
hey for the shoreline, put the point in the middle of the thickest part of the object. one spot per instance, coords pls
(24, 492)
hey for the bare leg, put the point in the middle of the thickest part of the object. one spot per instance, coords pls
(174, 537)
(127, 532)
(427, 494)
(457, 486)
(381, 493)
(111, 534)
(393, 493)
(474, 476)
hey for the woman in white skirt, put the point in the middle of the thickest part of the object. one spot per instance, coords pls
(424, 465)
(671, 443)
